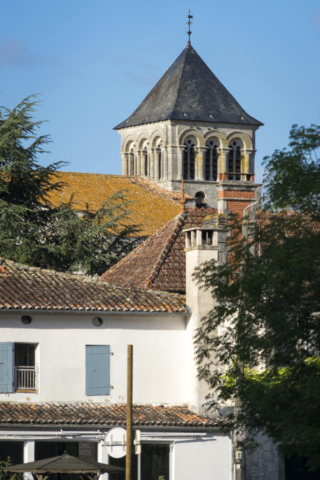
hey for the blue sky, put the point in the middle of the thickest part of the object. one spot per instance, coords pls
(94, 61)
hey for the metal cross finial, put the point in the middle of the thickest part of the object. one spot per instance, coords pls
(189, 31)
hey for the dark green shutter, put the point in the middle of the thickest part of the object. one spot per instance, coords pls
(97, 370)
(6, 367)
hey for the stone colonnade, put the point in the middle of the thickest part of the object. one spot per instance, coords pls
(166, 163)
(157, 151)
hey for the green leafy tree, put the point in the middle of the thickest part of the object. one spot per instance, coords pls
(35, 232)
(268, 308)
(7, 475)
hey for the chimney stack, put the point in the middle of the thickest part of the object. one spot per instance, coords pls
(205, 243)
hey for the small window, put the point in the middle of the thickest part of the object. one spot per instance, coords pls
(25, 366)
(146, 162)
(18, 367)
(188, 238)
(97, 321)
(131, 163)
(211, 162)
(234, 162)
(26, 319)
(160, 166)
(206, 238)
(200, 199)
(189, 161)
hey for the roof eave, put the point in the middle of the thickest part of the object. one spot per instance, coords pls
(256, 123)
(92, 312)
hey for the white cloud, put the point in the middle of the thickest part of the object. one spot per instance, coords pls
(14, 53)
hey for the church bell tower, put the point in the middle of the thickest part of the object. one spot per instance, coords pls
(190, 127)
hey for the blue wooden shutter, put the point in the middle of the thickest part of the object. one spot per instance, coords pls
(97, 369)
(6, 367)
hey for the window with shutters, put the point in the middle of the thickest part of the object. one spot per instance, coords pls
(25, 366)
(98, 370)
(18, 367)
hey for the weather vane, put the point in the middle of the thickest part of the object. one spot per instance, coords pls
(189, 31)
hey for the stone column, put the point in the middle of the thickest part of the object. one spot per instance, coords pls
(247, 162)
(137, 155)
(152, 153)
(135, 165)
(130, 164)
(181, 149)
(125, 159)
(141, 162)
(199, 162)
(156, 171)
(164, 158)
(170, 157)
(222, 163)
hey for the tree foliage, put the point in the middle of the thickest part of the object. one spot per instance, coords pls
(267, 350)
(35, 232)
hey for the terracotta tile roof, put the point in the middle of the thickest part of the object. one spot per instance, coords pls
(97, 414)
(159, 262)
(23, 287)
(152, 206)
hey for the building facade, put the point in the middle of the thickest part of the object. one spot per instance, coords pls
(63, 355)
(63, 339)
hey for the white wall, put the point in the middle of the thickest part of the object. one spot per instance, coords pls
(159, 355)
(209, 458)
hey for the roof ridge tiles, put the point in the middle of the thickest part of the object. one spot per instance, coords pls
(80, 412)
(179, 86)
(158, 263)
(25, 288)
(164, 253)
(140, 247)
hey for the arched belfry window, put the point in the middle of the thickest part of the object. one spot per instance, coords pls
(188, 160)
(160, 165)
(146, 163)
(211, 164)
(234, 162)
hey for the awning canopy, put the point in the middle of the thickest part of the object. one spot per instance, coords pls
(64, 464)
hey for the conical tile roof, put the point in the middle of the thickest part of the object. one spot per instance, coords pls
(189, 91)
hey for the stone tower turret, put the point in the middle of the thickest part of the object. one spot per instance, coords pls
(189, 126)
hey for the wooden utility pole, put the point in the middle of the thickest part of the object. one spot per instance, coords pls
(129, 413)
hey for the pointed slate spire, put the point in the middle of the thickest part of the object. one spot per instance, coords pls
(189, 91)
